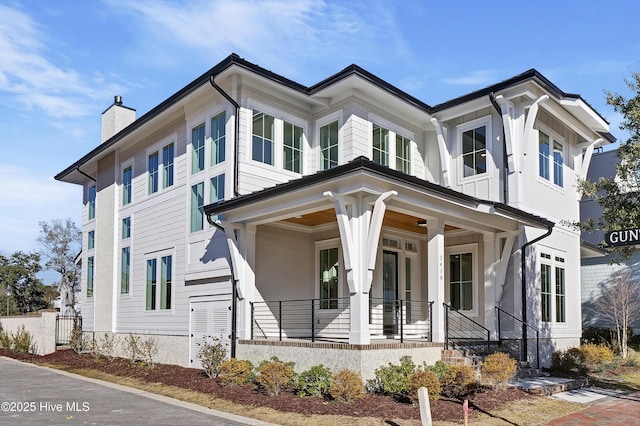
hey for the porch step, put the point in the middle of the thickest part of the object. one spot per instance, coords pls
(527, 372)
(545, 386)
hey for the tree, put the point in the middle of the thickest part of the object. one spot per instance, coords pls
(62, 241)
(619, 196)
(619, 303)
(18, 273)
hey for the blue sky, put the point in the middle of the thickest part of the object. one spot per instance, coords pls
(61, 63)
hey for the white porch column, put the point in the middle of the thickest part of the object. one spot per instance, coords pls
(490, 283)
(435, 275)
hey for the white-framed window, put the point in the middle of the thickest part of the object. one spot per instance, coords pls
(551, 157)
(329, 145)
(90, 275)
(263, 137)
(197, 148)
(153, 172)
(197, 207)
(126, 227)
(292, 147)
(125, 270)
(91, 240)
(328, 276)
(91, 202)
(159, 288)
(553, 307)
(475, 147)
(168, 158)
(218, 138)
(403, 154)
(380, 145)
(462, 277)
(127, 182)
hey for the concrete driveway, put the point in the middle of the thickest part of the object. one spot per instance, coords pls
(31, 395)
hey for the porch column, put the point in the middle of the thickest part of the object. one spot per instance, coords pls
(490, 283)
(435, 275)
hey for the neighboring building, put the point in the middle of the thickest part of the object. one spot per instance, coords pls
(598, 270)
(353, 222)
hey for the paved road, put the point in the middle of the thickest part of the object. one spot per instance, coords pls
(31, 395)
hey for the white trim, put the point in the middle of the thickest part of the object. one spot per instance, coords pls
(323, 245)
(394, 131)
(321, 122)
(158, 255)
(461, 249)
(553, 137)
(554, 264)
(485, 121)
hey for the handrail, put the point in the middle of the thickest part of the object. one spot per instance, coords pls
(448, 309)
(523, 354)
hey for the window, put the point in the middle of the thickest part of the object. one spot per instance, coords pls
(461, 281)
(91, 201)
(474, 151)
(292, 147)
(127, 175)
(380, 145)
(329, 146)
(125, 270)
(263, 136)
(329, 278)
(90, 274)
(552, 288)
(555, 173)
(166, 279)
(403, 154)
(126, 228)
(197, 149)
(167, 165)
(217, 189)
(91, 240)
(153, 173)
(151, 284)
(407, 286)
(197, 207)
(218, 132)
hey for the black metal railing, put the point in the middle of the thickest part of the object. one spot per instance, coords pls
(64, 328)
(329, 319)
(460, 330)
(511, 335)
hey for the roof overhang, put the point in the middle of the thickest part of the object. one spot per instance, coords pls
(589, 250)
(585, 113)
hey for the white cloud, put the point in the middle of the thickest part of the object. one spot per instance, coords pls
(28, 77)
(475, 78)
(28, 198)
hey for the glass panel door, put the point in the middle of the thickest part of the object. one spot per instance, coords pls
(390, 293)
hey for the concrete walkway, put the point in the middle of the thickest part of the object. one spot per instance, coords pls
(35, 395)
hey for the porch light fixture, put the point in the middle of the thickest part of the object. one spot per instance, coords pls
(422, 223)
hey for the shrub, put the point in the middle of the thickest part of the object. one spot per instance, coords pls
(427, 379)
(393, 379)
(275, 376)
(569, 360)
(347, 386)
(440, 369)
(499, 368)
(234, 373)
(596, 354)
(211, 353)
(20, 342)
(107, 346)
(460, 381)
(77, 341)
(314, 381)
(5, 340)
(141, 349)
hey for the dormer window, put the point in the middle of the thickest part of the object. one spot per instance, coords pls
(551, 160)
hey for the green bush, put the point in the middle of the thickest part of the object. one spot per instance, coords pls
(347, 386)
(571, 360)
(393, 379)
(460, 381)
(499, 368)
(275, 376)
(211, 354)
(20, 342)
(234, 372)
(426, 379)
(5, 340)
(440, 369)
(314, 381)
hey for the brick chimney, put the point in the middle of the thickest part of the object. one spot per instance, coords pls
(116, 118)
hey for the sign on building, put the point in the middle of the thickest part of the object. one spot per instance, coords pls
(622, 237)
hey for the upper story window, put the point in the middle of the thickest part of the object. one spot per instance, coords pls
(551, 160)
(403, 154)
(218, 133)
(153, 173)
(197, 149)
(263, 137)
(125, 270)
(91, 201)
(292, 147)
(474, 151)
(127, 177)
(90, 275)
(197, 207)
(329, 146)
(380, 145)
(168, 155)
(126, 228)
(91, 240)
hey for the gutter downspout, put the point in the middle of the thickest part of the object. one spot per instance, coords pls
(523, 265)
(234, 308)
(505, 161)
(84, 174)
(236, 136)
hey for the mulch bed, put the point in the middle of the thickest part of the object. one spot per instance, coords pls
(378, 406)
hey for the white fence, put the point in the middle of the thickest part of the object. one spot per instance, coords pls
(42, 328)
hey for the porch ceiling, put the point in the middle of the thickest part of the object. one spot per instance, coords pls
(392, 219)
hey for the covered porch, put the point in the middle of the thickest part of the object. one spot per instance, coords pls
(362, 255)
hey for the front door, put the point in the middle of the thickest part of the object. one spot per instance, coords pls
(390, 292)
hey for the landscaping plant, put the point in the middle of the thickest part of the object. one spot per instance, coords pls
(498, 369)
(211, 354)
(275, 376)
(314, 382)
(234, 372)
(347, 386)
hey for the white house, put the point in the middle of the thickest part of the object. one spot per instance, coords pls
(347, 223)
